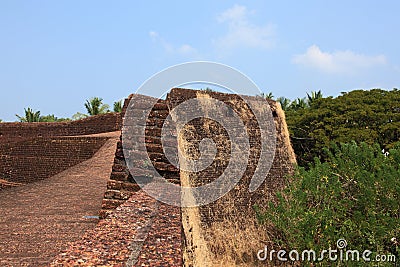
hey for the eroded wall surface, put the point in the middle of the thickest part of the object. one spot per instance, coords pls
(225, 231)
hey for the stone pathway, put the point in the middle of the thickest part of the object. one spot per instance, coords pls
(140, 232)
(38, 220)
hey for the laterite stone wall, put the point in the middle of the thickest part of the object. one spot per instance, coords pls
(15, 131)
(39, 158)
(35, 151)
(122, 185)
(207, 231)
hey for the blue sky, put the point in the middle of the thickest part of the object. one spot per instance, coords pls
(56, 54)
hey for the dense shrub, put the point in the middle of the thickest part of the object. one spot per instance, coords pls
(354, 194)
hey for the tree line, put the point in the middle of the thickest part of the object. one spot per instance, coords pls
(93, 106)
(371, 116)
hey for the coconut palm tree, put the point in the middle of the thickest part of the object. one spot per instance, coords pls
(118, 106)
(30, 116)
(314, 96)
(95, 106)
(285, 102)
(299, 103)
(267, 96)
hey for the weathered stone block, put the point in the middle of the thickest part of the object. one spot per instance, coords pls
(119, 176)
(111, 194)
(118, 167)
(111, 203)
(162, 166)
(114, 185)
(130, 187)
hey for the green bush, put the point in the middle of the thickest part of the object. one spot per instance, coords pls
(354, 194)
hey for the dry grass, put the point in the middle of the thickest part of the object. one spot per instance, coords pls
(235, 243)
